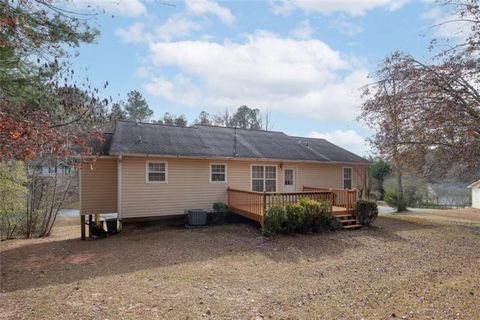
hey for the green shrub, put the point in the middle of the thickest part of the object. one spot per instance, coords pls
(366, 211)
(312, 209)
(415, 192)
(274, 220)
(294, 218)
(318, 216)
(392, 199)
(220, 207)
(219, 214)
(324, 219)
(13, 195)
(305, 216)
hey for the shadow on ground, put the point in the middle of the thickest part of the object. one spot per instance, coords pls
(48, 262)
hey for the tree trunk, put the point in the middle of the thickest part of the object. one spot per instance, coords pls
(401, 199)
(380, 188)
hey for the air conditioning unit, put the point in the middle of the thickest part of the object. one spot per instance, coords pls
(197, 217)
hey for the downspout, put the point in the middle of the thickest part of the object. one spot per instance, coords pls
(80, 184)
(119, 187)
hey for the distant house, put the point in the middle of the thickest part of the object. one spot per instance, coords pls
(144, 171)
(61, 170)
(475, 194)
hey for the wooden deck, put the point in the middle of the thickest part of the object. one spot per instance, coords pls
(253, 205)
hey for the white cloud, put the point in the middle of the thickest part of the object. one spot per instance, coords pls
(304, 77)
(143, 72)
(132, 34)
(180, 89)
(304, 31)
(202, 7)
(351, 7)
(439, 20)
(348, 139)
(345, 25)
(175, 27)
(127, 8)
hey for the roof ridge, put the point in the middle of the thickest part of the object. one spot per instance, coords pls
(196, 125)
(238, 128)
(299, 137)
(157, 124)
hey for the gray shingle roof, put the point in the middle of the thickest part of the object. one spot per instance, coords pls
(211, 141)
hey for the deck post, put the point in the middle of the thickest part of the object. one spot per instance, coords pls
(228, 195)
(354, 198)
(264, 208)
(332, 197)
(264, 203)
(90, 222)
(82, 227)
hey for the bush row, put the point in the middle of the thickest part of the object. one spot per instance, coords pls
(305, 216)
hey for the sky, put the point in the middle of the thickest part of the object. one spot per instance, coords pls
(303, 62)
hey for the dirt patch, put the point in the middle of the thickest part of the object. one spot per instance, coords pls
(419, 269)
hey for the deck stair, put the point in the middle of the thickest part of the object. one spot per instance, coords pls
(348, 221)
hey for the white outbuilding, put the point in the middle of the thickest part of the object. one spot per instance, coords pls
(475, 194)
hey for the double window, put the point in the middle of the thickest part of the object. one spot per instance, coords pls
(218, 172)
(157, 171)
(264, 178)
(347, 178)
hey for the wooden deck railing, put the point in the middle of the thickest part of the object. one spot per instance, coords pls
(341, 197)
(253, 204)
(247, 203)
(284, 198)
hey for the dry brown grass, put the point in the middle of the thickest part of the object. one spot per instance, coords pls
(456, 216)
(402, 267)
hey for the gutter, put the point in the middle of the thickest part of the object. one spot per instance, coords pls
(146, 155)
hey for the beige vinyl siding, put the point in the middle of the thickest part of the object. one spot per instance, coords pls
(328, 175)
(98, 186)
(189, 183)
(188, 187)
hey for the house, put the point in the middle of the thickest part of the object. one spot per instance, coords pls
(52, 170)
(475, 186)
(145, 171)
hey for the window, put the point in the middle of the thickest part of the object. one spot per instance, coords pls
(347, 178)
(156, 171)
(218, 172)
(264, 178)
(288, 177)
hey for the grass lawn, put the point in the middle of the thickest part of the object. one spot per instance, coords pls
(408, 266)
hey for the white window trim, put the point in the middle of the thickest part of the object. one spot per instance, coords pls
(210, 172)
(343, 176)
(156, 161)
(264, 165)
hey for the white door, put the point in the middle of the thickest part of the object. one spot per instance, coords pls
(289, 180)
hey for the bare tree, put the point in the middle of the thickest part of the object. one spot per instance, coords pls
(267, 123)
(437, 102)
(385, 110)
